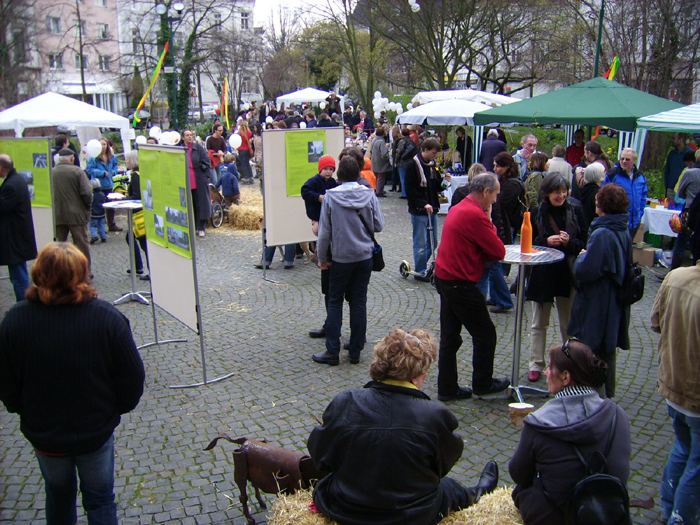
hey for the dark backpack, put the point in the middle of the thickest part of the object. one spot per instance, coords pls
(410, 150)
(598, 498)
(632, 289)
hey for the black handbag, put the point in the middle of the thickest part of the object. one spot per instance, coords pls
(377, 254)
(632, 288)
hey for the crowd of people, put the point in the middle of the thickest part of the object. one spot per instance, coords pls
(581, 204)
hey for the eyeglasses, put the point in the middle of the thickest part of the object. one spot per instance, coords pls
(565, 347)
(626, 159)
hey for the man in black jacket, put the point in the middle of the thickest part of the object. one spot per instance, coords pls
(423, 184)
(17, 242)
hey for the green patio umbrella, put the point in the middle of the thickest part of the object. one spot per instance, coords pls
(595, 102)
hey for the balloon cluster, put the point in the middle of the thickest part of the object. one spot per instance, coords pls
(170, 138)
(380, 104)
(414, 5)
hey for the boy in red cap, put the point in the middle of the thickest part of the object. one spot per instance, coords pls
(313, 192)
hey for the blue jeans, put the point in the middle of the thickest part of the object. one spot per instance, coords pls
(493, 279)
(97, 225)
(19, 277)
(402, 177)
(96, 471)
(290, 253)
(215, 175)
(352, 278)
(421, 241)
(680, 483)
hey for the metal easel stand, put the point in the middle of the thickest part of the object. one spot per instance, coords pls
(155, 332)
(264, 265)
(133, 295)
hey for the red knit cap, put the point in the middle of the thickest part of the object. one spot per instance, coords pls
(327, 161)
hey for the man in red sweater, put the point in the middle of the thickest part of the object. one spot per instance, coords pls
(468, 239)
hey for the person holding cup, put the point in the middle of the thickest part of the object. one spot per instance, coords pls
(545, 466)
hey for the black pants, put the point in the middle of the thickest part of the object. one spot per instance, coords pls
(462, 304)
(453, 497)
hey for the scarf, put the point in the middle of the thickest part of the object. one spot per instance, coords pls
(421, 171)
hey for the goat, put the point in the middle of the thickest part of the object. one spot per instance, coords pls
(268, 468)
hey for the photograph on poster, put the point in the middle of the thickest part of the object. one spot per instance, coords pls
(176, 216)
(40, 160)
(315, 150)
(183, 198)
(179, 238)
(28, 176)
(31, 192)
(160, 230)
(147, 200)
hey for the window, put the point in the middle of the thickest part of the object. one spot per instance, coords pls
(134, 41)
(178, 39)
(101, 3)
(103, 31)
(85, 64)
(245, 20)
(104, 62)
(217, 20)
(53, 25)
(55, 60)
(20, 47)
(80, 28)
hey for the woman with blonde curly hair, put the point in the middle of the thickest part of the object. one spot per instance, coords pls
(407, 439)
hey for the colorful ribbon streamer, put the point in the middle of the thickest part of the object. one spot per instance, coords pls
(153, 81)
(609, 74)
(224, 102)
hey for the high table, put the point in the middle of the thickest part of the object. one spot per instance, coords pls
(543, 255)
(655, 221)
(129, 206)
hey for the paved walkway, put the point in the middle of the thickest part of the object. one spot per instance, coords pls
(258, 331)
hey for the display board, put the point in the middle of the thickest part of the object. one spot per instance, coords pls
(167, 211)
(290, 158)
(31, 157)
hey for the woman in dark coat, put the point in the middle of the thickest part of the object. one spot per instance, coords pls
(545, 459)
(389, 448)
(593, 176)
(597, 317)
(199, 166)
(557, 224)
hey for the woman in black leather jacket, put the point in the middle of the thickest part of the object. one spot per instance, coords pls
(388, 447)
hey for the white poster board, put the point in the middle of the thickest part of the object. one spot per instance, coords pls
(285, 216)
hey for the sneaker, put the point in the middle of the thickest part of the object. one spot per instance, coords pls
(200, 233)
(533, 375)
(464, 393)
(104, 239)
(498, 385)
(93, 240)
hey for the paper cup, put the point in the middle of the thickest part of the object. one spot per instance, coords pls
(518, 411)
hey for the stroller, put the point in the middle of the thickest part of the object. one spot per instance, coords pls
(218, 207)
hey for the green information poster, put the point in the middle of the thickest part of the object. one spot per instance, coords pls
(31, 159)
(304, 149)
(164, 198)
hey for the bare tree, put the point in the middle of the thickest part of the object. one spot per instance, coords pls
(16, 30)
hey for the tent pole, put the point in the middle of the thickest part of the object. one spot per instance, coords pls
(600, 36)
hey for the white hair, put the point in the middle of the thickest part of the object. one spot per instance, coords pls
(594, 172)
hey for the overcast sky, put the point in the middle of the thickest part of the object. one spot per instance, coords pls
(263, 8)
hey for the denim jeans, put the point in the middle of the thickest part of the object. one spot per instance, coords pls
(96, 472)
(290, 253)
(402, 178)
(352, 278)
(421, 241)
(215, 175)
(97, 225)
(680, 483)
(19, 277)
(493, 280)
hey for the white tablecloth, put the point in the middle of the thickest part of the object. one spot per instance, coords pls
(655, 220)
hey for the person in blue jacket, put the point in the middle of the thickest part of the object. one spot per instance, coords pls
(229, 181)
(626, 174)
(103, 168)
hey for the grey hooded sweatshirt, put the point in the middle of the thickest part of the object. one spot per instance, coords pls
(341, 230)
(546, 448)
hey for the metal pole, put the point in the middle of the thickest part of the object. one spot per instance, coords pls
(600, 36)
(174, 79)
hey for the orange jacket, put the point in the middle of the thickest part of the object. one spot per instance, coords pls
(368, 174)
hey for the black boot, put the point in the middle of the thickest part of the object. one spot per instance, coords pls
(676, 262)
(488, 481)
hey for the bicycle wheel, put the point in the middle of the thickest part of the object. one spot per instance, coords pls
(217, 214)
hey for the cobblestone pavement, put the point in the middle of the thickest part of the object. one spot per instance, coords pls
(258, 331)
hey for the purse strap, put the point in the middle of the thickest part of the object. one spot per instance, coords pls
(369, 231)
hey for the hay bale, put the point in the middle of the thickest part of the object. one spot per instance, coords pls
(496, 508)
(248, 215)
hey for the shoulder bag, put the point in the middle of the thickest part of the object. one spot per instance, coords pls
(378, 254)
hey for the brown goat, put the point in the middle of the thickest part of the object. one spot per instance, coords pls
(268, 468)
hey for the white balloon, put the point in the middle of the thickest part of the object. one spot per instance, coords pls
(411, 2)
(399, 111)
(165, 138)
(141, 139)
(155, 132)
(392, 106)
(415, 8)
(377, 114)
(409, 106)
(377, 94)
(235, 140)
(385, 101)
(93, 148)
(302, 125)
(322, 105)
(269, 120)
(176, 137)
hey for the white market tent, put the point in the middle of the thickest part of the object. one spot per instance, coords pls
(313, 95)
(52, 109)
(472, 95)
(686, 118)
(443, 113)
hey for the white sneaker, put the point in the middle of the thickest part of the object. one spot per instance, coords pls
(200, 233)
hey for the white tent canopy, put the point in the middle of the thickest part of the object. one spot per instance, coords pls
(443, 113)
(686, 118)
(473, 95)
(52, 109)
(308, 94)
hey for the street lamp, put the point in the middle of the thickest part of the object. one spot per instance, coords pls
(162, 9)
